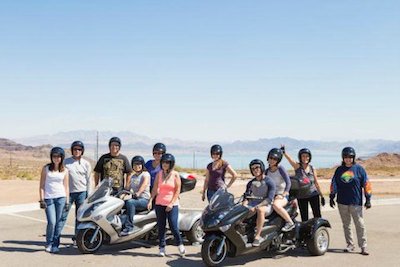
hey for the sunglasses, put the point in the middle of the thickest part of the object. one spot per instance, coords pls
(56, 156)
(273, 158)
(255, 168)
(77, 149)
(157, 153)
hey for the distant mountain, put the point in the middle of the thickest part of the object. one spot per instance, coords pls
(136, 142)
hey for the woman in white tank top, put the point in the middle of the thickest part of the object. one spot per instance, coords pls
(53, 193)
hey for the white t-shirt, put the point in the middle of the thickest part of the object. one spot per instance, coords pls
(54, 184)
(79, 174)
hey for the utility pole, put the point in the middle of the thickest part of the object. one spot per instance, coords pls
(97, 145)
(194, 159)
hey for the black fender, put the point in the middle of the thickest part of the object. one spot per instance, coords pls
(308, 228)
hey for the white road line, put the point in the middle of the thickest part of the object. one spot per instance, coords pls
(34, 219)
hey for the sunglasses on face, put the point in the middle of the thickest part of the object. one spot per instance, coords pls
(157, 153)
(255, 168)
(77, 149)
(56, 156)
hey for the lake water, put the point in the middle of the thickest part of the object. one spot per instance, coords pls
(238, 161)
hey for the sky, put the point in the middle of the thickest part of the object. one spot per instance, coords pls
(201, 70)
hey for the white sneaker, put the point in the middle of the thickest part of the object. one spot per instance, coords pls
(182, 250)
(162, 252)
(48, 248)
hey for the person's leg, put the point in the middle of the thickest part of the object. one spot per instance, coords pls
(260, 220)
(210, 193)
(172, 216)
(279, 208)
(344, 212)
(65, 213)
(315, 206)
(161, 223)
(303, 206)
(80, 199)
(358, 218)
(279, 205)
(51, 221)
(173, 225)
(59, 207)
(130, 212)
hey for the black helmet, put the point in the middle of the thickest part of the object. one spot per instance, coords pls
(160, 147)
(57, 151)
(79, 144)
(114, 139)
(304, 151)
(168, 158)
(348, 151)
(275, 153)
(259, 162)
(136, 160)
(216, 149)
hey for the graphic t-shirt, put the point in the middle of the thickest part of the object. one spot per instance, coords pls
(113, 168)
(348, 183)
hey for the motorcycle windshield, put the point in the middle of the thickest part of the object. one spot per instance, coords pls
(222, 199)
(102, 190)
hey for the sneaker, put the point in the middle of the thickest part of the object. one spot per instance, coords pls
(349, 248)
(182, 250)
(288, 226)
(364, 252)
(162, 252)
(48, 248)
(257, 242)
(55, 250)
(74, 243)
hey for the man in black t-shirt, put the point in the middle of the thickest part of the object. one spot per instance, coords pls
(114, 166)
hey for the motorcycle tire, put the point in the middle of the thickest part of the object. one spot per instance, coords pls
(83, 238)
(318, 244)
(196, 234)
(209, 251)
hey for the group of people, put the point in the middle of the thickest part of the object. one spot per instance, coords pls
(155, 184)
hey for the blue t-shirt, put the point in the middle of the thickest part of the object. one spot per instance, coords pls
(348, 183)
(153, 171)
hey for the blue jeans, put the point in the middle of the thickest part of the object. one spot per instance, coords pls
(210, 193)
(54, 211)
(172, 217)
(78, 198)
(133, 205)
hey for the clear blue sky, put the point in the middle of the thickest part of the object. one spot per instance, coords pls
(201, 70)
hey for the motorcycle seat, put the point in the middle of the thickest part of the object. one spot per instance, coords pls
(143, 212)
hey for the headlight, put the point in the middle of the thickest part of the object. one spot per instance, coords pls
(225, 228)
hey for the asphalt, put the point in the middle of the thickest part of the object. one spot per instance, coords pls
(22, 244)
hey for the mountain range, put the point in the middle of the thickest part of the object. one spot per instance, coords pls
(133, 141)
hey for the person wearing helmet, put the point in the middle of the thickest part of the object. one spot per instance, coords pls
(79, 170)
(215, 173)
(282, 181)
(348, 184)
(263, 188)
(115, 166)
(166, 190)
(54, 194)
(153, 166)
(303, 168)
(140, 188)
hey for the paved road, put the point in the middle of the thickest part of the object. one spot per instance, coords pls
(22, 244)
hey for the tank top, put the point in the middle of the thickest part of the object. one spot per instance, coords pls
(166, 189)
(137, 181)
(54, 184)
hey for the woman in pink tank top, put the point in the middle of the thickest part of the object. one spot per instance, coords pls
(166, 190)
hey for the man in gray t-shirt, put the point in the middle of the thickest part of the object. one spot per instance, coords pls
(79, 171)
